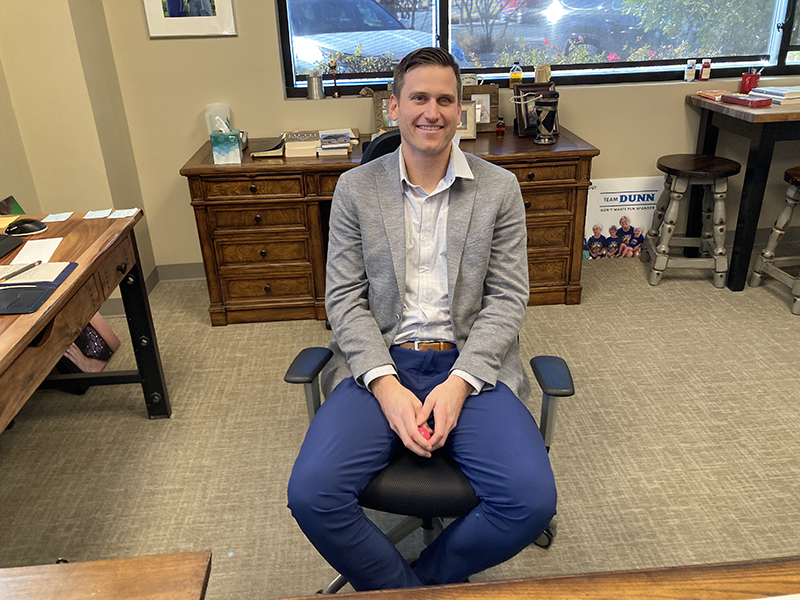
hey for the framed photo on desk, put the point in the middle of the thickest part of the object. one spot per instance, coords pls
(524, 106)
(380, 108)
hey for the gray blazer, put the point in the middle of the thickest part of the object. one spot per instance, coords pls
(487, 272)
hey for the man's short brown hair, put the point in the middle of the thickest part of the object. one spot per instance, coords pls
(436, 57)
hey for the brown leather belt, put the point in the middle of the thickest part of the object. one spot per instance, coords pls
(423, 346)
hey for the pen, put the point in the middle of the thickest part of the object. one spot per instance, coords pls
(20, 271)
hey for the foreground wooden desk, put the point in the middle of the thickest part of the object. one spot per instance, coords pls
(742, 581)
(181, 576)
(31, 345)
(763, 127)
(263, 224)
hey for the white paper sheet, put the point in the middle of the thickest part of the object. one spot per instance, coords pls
(97, 214)
(127, 212)
(37, 250)
(52, 218)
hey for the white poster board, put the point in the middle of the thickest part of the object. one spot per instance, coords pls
(611, 200)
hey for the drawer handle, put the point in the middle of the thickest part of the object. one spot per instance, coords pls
(122, 268)
(263, 254)
(527, 204)
(531, 175)
(253, 188)
(258, 218)
(268, 288)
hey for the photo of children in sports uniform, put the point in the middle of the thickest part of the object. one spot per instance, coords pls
(618, 215)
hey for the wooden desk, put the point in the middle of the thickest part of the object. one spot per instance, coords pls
(181, 576)
(763, 127)
(744, 581)
(31, 345)
(263, 224)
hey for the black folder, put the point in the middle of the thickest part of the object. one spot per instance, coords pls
(26, 298)
(9, 243)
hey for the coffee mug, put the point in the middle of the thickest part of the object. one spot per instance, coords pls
(471, 79)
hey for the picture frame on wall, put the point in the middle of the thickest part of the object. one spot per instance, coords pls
(189, 18)
(467, 125)
(487, 103)
(380, 108)
(524, 102)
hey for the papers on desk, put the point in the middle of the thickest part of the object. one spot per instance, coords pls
(44, 273)
(97, 214)
(53, 218)
(119, 214)
(26, 292)
(34, 250)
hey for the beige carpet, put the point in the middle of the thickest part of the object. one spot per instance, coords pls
(681, 445)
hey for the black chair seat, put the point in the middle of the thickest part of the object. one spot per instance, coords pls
(420, 487)
(698, 166)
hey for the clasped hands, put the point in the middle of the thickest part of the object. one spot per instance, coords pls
(406, 415)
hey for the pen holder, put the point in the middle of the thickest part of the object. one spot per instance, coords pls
(749, 81)
(226, 147)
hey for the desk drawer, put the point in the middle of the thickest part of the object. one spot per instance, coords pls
(258, 217)
(276, 286)
(543, 271)
(115, 267)
(266, 251)
(545, 173)
(291, 185)
(31, 367)
(556, 236)
(551, 201)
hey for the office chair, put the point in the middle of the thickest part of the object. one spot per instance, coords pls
(383, 144)
(427, 490)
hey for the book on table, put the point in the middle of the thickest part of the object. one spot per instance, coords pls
(746, 100)
(777, 99)
(301, 143)
(789, 91)
(713, 94)
(267, 147)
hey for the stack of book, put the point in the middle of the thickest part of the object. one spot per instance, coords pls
(336, 142)
(301, 143)
(778, 95)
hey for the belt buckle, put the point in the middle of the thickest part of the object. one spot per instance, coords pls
(417, 343)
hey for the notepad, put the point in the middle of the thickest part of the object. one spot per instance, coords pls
(44, 273)
(19, 298)
(34, 250)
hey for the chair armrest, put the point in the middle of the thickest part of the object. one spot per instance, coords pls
(553, 376)
(307, 365)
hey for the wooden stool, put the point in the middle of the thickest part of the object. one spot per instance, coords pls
(766, 263)
(684, 170)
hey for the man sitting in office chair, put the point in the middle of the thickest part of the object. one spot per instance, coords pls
(427, 284)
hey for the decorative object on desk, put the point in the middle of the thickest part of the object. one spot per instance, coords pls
(749, 81)
(315, 89)
(380, 109)
(543, 73)
(269, 147)
(689, 71)
(489, 98)
(746, 100)
(524, 100)
(705, 70)
(467, 126)
(546, 106)
(333, 66)
(470, 79)
(203, 19)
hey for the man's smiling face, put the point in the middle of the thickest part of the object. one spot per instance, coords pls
(428, 110)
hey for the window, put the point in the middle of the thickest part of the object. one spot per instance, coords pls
(583, 40)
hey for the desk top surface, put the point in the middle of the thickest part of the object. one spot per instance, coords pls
(742, 581)
(182, 576)
(776, 113)
(86, 242)
(486, 145)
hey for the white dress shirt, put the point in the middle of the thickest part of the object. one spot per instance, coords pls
(426, 309)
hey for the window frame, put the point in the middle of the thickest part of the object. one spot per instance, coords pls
(578, 74)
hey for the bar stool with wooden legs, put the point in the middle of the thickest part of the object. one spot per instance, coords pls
(766, 263)
(683, 171)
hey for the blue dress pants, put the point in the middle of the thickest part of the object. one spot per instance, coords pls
(496, 443)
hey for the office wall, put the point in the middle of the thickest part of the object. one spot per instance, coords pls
(164, 84)
(15, 174)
